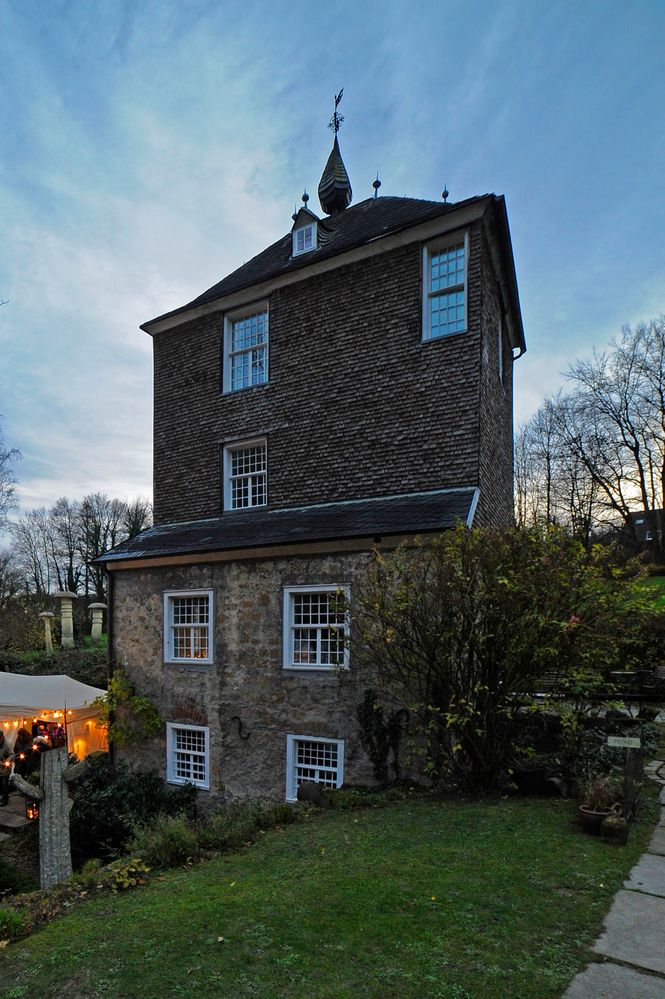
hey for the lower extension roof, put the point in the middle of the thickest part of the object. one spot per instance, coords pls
(412, 513)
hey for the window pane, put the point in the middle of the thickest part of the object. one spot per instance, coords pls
(189, 610)
(332, 647)
(249, 482)
(447, 268)
(447, 313)
(190, 627)
(249, 331)
(304, 646)
(189, 759)
(316, 761)
(249, 350)
(318, 636)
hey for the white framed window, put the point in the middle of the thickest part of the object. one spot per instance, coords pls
(187, 754)
(304, 239)
(316, 627)
(188, 626)
(245, 349)
(444, 288)
(313, 758)
(246, 475)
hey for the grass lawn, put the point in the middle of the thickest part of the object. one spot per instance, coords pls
(417, 900)
(657, 584)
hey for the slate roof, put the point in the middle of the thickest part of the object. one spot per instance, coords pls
(359, 224)
(415, 513)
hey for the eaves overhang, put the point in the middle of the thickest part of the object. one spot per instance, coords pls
(259, 532)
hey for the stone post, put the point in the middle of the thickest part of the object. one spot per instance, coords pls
(97, 611)
(55, 854)
(47, 617)
(66, 617)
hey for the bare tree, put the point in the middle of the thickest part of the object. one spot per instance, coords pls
(101, 521)
(64, 517)
(11, 582)
(552, 485)
(616, 425)
(55, 549)
(7, 479)
(31, 550)
(138, 516)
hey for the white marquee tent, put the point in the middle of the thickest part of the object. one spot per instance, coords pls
(27, 699)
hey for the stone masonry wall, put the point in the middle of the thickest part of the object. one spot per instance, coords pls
(246, 692)
(356, 405)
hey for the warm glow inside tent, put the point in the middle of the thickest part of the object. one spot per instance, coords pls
(25, 700)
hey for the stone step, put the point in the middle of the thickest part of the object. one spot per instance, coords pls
(10, 821)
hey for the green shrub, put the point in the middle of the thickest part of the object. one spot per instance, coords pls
(14, 881)
(90, 874)
(345, 798)
(87, 665)
(109, 801)
(123, 874)
(116, 876)
(166, 841)
(234, 824)
(283, 814)
(13, 924)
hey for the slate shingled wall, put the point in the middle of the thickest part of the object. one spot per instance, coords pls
(356, 405)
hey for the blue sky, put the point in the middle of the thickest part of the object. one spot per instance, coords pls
(149, 147)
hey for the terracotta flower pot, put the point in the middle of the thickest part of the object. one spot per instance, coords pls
(591, 821)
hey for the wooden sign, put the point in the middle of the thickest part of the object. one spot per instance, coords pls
(623, 743)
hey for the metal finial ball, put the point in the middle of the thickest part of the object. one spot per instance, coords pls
(376, 184)
(305, 197)
(444, 193)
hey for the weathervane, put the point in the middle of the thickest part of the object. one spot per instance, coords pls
(336, 119)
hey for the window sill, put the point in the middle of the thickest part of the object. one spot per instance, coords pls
(245, 509)
(245, 388)
(181, 783)
(190, 664)
(315, 669)
(443, 336)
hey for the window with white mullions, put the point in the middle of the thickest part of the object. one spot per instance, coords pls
(444, 308)
(245, 350)
(187, 631)
(316, 627)
(187, 754)
(246, 475)
(304, 239)
(313, 759)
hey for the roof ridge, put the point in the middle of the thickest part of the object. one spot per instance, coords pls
(355, 227)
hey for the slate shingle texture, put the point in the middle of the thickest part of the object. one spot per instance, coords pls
(412, 514)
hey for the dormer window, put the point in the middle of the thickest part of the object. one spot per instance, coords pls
(304, 239)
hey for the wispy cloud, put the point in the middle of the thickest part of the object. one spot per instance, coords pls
(152, 146)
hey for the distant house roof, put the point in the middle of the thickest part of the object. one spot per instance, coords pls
(414, 513)
(358, 225)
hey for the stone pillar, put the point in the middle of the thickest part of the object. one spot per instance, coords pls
(97, 611)
(47, 617)
(55, 855)
(66, 617)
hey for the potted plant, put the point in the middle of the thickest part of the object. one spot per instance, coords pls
(600, 797)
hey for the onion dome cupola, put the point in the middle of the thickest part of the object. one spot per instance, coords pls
(335, 187)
